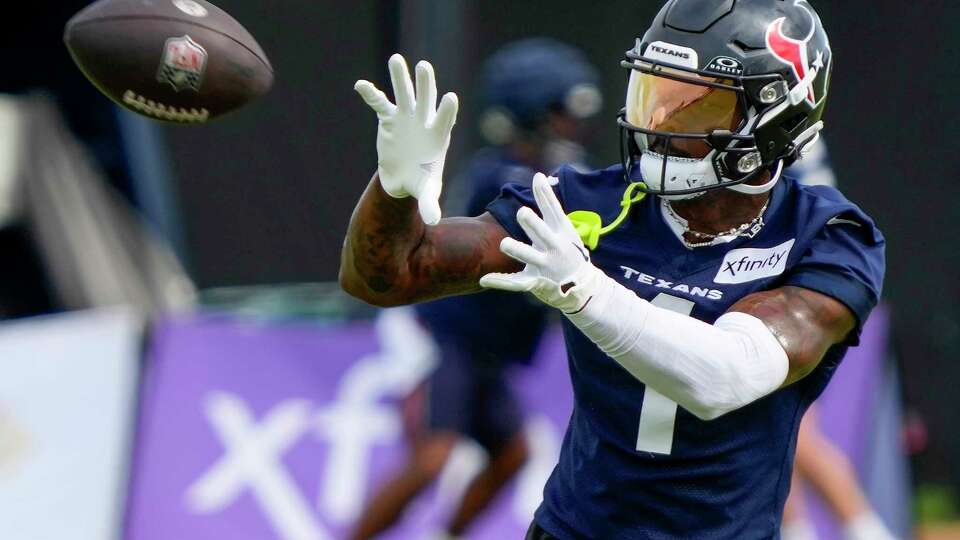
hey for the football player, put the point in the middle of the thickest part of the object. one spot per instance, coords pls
(707, 300)
(536, 95)
(822, 466)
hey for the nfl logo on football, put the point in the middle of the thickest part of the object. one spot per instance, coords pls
(184, 62)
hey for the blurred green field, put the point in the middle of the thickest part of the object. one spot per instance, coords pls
(936, 505)
(937, 513)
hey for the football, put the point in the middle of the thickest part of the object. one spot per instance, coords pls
(179, 61)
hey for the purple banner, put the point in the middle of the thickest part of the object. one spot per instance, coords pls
(254, 432)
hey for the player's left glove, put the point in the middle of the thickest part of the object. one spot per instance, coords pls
(558, 269)
(413, 135)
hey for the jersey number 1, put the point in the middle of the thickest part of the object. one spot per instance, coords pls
(659, 414)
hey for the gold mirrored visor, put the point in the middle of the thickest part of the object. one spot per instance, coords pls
(681, 104)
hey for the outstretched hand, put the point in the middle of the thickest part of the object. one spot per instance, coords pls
(413, 136)
(558, 270)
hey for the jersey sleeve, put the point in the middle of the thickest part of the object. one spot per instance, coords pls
(504, 208)
(845, 261)
(515, 196)
(480, 197)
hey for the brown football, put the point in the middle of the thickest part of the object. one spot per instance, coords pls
(181, 61)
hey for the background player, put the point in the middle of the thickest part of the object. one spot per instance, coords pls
(772, 278)
(536, 94)
(819, 464)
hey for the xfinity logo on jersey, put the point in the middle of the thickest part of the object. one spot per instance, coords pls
(750, 264)
(672, 54)
(635, 275)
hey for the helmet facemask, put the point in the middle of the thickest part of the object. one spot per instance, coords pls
(689, 131)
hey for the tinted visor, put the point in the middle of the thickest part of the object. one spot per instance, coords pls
(665, 109)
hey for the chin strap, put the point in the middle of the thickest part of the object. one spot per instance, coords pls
(589, 225)
(747, 189)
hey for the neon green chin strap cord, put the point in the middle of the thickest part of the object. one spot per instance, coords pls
(589, 225)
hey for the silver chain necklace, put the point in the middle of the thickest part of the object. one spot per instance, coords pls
(750, 229)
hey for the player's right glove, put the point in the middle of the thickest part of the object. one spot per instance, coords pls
(557, 267)
(413, 136)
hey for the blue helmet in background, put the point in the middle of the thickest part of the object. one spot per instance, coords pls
(527, 79)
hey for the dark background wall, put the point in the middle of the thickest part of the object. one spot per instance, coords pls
(266, 195)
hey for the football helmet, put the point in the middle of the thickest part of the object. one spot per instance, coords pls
(721, 92)
(526, 79)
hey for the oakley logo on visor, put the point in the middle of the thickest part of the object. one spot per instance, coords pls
(669, 53)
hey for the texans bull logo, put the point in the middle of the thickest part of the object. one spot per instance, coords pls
(794, 53)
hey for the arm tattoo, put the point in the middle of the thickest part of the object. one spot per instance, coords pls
(390, 257)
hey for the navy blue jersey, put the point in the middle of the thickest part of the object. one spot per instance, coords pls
(499, 326)
(634, 465)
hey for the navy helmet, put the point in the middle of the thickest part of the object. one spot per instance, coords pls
(526, 79)
(721, 92)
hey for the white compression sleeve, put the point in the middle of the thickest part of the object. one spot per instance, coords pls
(709, 370)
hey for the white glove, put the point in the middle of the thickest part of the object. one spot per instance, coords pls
(558, 269)
(413, 136)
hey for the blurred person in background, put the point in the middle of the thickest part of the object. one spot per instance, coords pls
(819, 464)
(536, 95)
